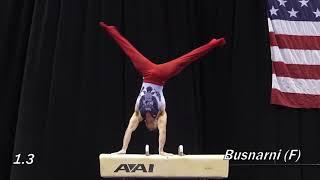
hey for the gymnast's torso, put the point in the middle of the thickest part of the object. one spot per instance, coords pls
(150, 100)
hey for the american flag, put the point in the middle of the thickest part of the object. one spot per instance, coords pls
(294, 32)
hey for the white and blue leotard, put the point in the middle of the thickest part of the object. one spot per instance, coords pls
(150, 99)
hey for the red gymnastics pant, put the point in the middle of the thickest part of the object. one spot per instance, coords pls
(158, 73)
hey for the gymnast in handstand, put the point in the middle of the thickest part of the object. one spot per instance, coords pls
(150, 106)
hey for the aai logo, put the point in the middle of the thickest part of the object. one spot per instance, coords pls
(131, 168)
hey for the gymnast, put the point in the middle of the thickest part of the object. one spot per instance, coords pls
(150, 105)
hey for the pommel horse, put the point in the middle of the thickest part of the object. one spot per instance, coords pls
(158, 166)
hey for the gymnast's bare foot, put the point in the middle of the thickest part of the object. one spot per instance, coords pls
(220, 41)
(162, 153)
(122, 151)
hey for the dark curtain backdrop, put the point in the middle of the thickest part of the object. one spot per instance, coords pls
(67, 90)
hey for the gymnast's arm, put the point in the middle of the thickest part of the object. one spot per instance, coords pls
(162, 123)
(133, 124)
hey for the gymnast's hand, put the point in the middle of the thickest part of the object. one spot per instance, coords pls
(162, 153)
(122, 151)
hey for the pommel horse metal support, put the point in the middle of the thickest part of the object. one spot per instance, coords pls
(175, 166)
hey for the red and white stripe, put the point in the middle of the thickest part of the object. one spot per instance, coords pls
(295, 54)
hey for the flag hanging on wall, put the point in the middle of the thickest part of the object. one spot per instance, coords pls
(294, 33)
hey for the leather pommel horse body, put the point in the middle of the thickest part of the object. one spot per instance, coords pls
(175, 166)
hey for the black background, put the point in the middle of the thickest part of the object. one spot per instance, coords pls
(67, 90)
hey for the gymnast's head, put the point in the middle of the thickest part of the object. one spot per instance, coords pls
(151, 122)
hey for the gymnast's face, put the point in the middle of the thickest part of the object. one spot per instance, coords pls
(151, 122)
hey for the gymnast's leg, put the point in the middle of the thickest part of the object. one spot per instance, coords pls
(141, 63)
(133, 124)
(172, 68)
